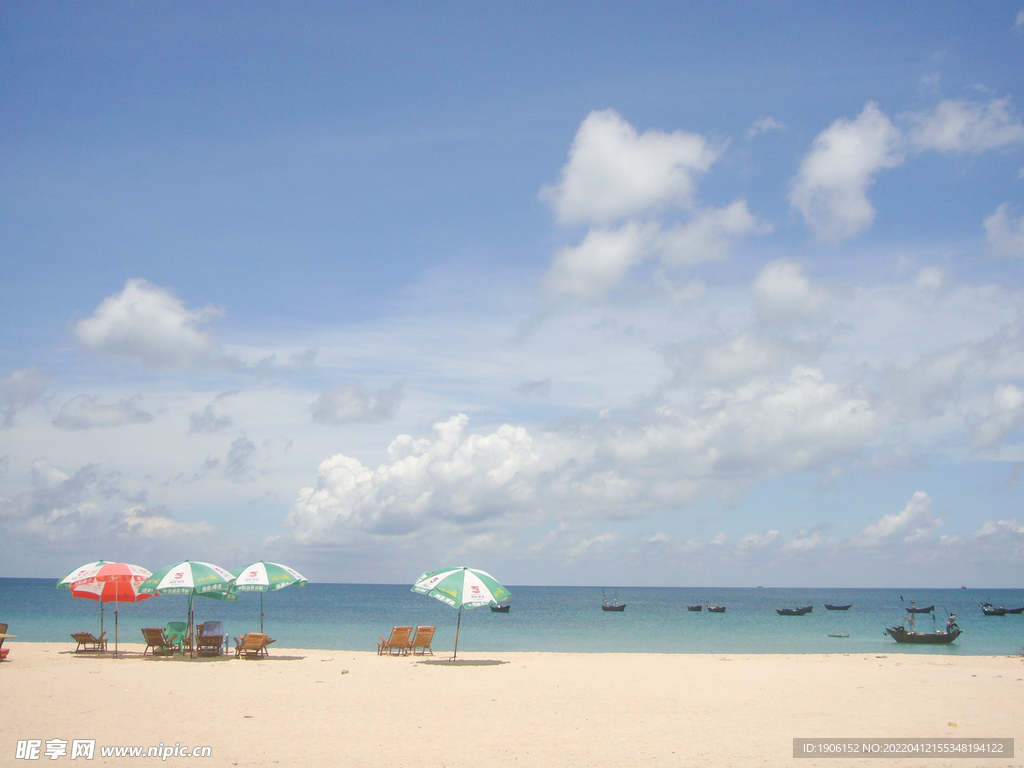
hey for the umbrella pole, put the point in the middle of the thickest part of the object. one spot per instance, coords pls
(115, 625)
(188, 627)
(261, 611)
(458, 626)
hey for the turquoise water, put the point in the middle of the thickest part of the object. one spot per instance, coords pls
(352, 616)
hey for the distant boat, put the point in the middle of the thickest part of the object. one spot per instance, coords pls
(794, 611)
(504, 608)
(613, 606)
(838, 607)
(903, 635)
(915, 609)
(990, 610)
(716, 608)
(837, 634)
(1015, 610)
(695, 607)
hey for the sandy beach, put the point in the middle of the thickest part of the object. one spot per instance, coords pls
(321, 708)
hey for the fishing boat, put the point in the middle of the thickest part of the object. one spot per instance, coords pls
(716, 608)
(902, 634)
(695, 607)
(1015, 610)
(613, 606)
(837, 634)
(990, 610)
(794, 611)
(914, 609)
(831, 607)
(503, 608)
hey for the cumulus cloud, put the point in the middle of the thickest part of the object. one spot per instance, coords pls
(87, 412)
(19, 390)
(460, 478)
(1005, 234)
(208, 422)
(67, 509)
(142, 522)
(764, 124)
(783, 292)
(736, 360)
(830, 188)
(344, 405)
(614, 172)
(1005, 414)
(599, 262)
(238, 464)
(709, 235)
(965, 127)
(149, 325)
(913, 522)
(630, 189)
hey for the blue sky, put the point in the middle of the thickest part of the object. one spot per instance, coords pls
(649, 294)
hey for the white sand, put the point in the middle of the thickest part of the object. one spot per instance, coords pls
(325, 708)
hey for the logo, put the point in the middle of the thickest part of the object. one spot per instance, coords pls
(252, 574)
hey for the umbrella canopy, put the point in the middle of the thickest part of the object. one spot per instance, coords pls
(461, 588)
(106, 582)
(265, 577)
(190, 578)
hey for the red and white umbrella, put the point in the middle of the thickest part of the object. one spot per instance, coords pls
(106, 582)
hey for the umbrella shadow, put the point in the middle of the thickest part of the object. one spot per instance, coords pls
(464, 662)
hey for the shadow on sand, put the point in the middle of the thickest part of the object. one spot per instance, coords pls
(463, 662)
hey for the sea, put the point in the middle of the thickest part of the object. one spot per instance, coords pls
(351, 617)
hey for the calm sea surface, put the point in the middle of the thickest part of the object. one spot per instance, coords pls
(352, 616)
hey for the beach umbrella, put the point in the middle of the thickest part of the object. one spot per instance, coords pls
(111, 581)
(461, 588)
(191, 578)
(75, 575)
(265, 577)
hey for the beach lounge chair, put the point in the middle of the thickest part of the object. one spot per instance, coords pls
(399, 641)
(158, 640)
(210, 638)
(3, 651)
(422, 639)
(89, 642)
(177, 633)
(252, 645)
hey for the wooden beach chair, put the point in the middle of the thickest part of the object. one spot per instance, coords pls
(399, 641)
(89, 642)
(421, 640)
(3, 653)
(252, 645)
(158, 640)
(210, 638)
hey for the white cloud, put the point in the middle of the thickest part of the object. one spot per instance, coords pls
(19, 390)
(614, 173)
(763, 125)
(343, 405)
(913, 522)
(965, 127)
(598, 263)
(208, 422)
(830, 189)
(1019, 21)
(455, 477)
(709, 235)
(139, 521)
(87, 412)
(149, 325)
(1005, 414)
(783, 292)
(1005, 235)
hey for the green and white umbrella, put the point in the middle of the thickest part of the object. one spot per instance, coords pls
(265, 577)
(191, 578)
(462, 588)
